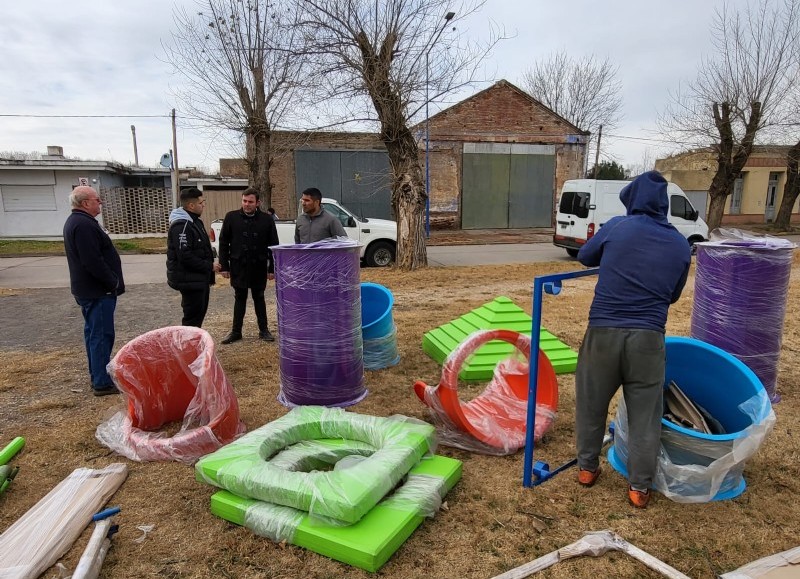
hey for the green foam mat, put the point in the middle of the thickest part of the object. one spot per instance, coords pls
(500, 313)
(245, 466)
(367, 544)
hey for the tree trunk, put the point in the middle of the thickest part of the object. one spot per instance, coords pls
(731, 157)
(791, 190)
(258, 162)
(408, 202)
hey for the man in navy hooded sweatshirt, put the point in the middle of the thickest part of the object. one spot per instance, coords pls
(644, 262)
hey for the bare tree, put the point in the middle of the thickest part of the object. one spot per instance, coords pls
(241, 65)
(585, 91)
(791, 190)
(739, 91)
(646, 163)
(373, 57)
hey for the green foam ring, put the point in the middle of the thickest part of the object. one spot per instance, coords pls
(11, 449)
(244, 466)
(367, 544)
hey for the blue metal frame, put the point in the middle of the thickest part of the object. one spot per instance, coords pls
(542, 284)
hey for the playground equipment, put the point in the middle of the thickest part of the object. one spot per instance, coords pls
(377, 327)
(279, 482)
(318, 297)
(244, 468)
(497, 417)
(741, 288)
(171, 374)
(542, 284)
(499, 314)
(695, 467)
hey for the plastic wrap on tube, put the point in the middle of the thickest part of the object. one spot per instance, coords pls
(318, 297)
(381, 352)
(695, 469)
(171, 375)
(499, 414)
(245, 467)
(774, 566)
(741, 288)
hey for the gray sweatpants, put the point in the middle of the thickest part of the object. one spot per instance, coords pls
(635, 359)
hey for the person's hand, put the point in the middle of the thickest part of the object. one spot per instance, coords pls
(217, 268)
(270, 276)
(226, 274)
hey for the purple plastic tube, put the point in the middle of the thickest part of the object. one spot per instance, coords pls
(741, 286)
(318, 295)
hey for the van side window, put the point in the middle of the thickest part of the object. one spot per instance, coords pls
(680, 207)
(575, 203)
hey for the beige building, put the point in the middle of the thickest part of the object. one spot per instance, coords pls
(757, 193)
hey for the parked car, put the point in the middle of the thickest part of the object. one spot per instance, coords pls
(585, 205)
(378, 237)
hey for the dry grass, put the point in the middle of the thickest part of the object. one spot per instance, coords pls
(491, 525)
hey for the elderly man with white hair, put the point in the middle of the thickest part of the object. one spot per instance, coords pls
(95, 273)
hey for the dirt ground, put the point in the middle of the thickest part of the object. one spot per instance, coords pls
(492, 523)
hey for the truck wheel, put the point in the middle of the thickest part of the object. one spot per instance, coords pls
(572, 252)
(380, 254)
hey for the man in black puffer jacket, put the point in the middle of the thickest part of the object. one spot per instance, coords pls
(190, 261)
(245, 258)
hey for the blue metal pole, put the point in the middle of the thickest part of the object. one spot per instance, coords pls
(533, 380)
(427, 155)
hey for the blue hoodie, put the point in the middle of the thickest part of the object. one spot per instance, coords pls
(644, 261)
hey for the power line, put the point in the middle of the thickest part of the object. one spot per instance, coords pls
(85, 116)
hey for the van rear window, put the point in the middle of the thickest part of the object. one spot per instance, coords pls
(575, 203)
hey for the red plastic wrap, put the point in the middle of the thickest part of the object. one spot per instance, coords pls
(168, 375)
(494, 422)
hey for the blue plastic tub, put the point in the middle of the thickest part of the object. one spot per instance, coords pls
(720, 383)
(376, 311)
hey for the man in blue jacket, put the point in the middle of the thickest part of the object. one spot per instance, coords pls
(95, 275)
(644, 262)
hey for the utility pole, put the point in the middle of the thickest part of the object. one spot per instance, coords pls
(135, 150)
(597, 151)
(176, 178)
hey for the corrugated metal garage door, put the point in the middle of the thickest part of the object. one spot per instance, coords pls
(360, 180)
(507, 185)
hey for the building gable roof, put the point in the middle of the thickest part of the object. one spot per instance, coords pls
(466, 106)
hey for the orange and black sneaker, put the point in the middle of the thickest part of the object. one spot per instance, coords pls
(638, 499)
(588, 477)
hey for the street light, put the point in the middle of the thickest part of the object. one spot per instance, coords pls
(447, 18)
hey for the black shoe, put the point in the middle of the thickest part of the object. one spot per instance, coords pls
(266, 336)
(105, 391)
(232, 337)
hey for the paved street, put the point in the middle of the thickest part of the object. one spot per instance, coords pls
(51, 272)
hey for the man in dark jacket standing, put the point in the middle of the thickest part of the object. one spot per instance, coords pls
(644, 262)
(246, 259)
(190, 261)
(95, 274)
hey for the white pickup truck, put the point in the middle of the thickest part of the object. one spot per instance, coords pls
(378, 237)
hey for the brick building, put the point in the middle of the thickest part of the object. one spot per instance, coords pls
(497, 160)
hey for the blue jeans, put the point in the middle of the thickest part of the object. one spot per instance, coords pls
(98, 335)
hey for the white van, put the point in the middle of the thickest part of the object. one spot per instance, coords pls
(586, 205)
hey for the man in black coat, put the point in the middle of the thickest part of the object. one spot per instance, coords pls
(190, 261)
(246, 259)
(95, 275)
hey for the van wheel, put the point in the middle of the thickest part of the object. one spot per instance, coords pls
(572, 252)
(380, 254)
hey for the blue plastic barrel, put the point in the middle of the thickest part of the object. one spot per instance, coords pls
(376, 310)
(721, 384)
(377, 327)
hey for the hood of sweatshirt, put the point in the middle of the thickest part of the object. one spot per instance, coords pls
(179, 214)
(647, 195)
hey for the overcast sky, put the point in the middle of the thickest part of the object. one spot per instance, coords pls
(92, 57)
